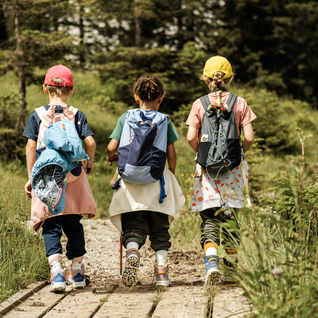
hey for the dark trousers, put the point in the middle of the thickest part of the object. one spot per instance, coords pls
(137, 225)
(211, 225)
(73, 229)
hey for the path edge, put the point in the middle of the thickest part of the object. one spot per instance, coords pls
(20, 296)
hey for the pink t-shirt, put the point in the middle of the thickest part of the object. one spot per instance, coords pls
(242, 113)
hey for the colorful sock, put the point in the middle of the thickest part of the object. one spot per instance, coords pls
(76, 265)
(211, 249)
(133, 245)
(161, 257)
(56, 266)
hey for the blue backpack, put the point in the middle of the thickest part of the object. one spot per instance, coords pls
(142, 149)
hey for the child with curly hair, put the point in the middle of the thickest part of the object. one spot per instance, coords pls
(137, 204)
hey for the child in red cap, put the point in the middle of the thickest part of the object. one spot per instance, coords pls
(79, 200)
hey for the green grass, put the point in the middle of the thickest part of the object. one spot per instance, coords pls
(22, 255)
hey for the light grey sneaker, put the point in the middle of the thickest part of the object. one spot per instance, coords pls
(58, 280)
(162, 275)
(130, 274)
(76, 278)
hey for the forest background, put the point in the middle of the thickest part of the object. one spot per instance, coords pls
(272, 46)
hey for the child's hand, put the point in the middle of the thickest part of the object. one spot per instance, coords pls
(88, 166)
(28, 189)
(112, 159)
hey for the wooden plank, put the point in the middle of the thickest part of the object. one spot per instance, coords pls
(128, 302)
(79, 303)
(36, 305)
(20, 296)
(182, 302)
(226, 304)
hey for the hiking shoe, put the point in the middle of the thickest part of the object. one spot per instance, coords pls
(130, 274)
(161, 273)
(76, 278)
(230, 263)
(58, 280)
(213, 275)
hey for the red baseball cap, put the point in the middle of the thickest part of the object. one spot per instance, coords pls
(60, 71)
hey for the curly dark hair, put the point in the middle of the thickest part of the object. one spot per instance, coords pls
(149, 88)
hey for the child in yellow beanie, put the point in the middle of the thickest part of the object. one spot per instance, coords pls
(216, 196)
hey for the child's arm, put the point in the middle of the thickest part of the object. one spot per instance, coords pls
(30, 159)
(192, 138)
(172, 158)
(114, 178)
(111, 151)
(90, 146)
(248, 137)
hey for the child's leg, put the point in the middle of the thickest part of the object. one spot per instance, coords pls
(160, 242)
(159, 236)
(210, 232)
(52, 232)
(73, 229)
(210, 239)
(135, 226)
(75, 248)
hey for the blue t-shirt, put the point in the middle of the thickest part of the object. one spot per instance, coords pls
(32, 127)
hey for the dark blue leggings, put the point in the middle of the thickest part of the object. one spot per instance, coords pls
(73, 229)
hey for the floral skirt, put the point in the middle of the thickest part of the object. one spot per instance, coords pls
(229, 187)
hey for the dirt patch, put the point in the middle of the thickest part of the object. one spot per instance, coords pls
(102, 259)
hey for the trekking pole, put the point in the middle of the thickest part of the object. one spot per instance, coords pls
(120, 254)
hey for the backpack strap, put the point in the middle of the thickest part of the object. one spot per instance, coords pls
(40, 111)
(73, 109)
(205, 101)
(231, 101)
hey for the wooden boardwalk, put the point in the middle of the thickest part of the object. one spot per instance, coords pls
(118, 301)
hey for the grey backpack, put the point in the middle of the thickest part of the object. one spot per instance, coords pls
(220, 145)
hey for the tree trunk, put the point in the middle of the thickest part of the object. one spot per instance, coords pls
(137, 24)
(82, 34)
(20, 65)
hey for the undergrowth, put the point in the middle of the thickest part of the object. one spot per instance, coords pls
(22, 255)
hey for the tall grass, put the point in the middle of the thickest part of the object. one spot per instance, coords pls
(22, 255)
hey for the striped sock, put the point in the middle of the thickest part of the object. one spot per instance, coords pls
(211, 249)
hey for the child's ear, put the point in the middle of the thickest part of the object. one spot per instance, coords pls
(137, 99)
(160, 99)
(45, 90)
(208, 81)
(71, 92)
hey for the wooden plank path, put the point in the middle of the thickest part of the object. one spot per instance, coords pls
(128, 302)
(182, 302)
(226, 304)
(118, 301)
(142, 301)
